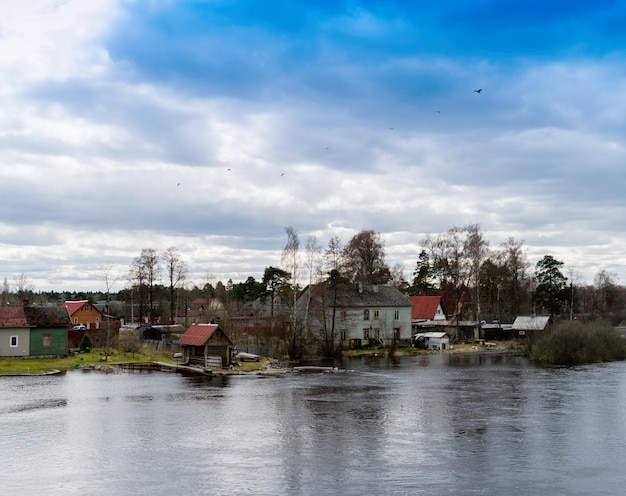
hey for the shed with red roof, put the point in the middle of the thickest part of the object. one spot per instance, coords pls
(204, 344)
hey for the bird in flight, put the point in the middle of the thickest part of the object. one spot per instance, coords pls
(178, 185)
(283, 174)
(478, 90)
(227, 169)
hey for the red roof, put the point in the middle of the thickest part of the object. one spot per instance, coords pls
(424, 307)
(74, 306)
(198, 334)
(12, 317)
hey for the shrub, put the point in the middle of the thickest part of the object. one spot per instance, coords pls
(85, 343)
(572, 343)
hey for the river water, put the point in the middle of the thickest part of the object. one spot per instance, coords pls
(429, 425)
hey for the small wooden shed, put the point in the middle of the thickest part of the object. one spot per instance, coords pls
(206, 345)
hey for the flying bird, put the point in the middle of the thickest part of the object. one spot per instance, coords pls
(227, 169)
(178, 185)
(283, 174)
(478, 90)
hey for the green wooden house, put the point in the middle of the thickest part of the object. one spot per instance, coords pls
(48, 330)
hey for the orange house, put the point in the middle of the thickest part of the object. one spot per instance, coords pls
(84, 313)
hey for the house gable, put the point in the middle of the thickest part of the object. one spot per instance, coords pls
(84, 312)
(426, 308)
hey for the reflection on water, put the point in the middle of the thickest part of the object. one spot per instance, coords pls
(432, 425)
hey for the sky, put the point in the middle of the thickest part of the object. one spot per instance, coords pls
(211, 126)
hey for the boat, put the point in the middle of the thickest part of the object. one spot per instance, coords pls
(247, 357)
(316, 369)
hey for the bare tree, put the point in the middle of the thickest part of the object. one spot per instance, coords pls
(515, 284)
(145, 272)
(109, 280)
(605, 285)
(6, 292)
(23, 287)
(176, 273)
(365, 259)
(476, 250)
(334, 255)
(398, 280)
(291, 260)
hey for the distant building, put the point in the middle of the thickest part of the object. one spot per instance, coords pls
(361, 314)
(84, 313)
(33, 331)
(425, 309)
(529, 324)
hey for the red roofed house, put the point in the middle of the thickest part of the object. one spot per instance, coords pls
(425, 308)
(82, 312)
(206, 345)
(14, 332)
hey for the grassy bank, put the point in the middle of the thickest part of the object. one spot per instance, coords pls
(572, 343)
(45, 365)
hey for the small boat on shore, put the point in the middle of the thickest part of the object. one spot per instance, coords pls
(316, 369)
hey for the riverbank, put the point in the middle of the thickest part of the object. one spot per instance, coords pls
(95, 360)
(56, 365)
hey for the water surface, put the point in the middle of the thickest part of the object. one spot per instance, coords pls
(431, 425)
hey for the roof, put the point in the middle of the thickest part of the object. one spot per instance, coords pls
(436, 335)
(424, 307)
(530, 322)
(12, 317)
(47, 316)
(75, 306)
(198, 334)
(372, 295)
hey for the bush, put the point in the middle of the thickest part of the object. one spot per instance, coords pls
(572, 343)
(85, 343)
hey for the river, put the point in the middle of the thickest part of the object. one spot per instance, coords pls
(478, 424)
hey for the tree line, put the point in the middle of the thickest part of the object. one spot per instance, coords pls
(475, 281)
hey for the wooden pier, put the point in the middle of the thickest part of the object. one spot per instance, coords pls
(163, 367)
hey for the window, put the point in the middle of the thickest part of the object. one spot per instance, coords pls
(46, 341)
(343, 333)
(13, 342)
(376, 314)
(366, 333)
(377, 333)
(396, 333)
(396, 315)
(75, 320)
(366, 314)
(343, 315)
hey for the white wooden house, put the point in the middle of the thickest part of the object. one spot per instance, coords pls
(357, 315)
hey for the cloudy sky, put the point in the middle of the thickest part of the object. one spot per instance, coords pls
(213, 125)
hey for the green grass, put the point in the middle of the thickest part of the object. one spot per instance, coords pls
(43, 365)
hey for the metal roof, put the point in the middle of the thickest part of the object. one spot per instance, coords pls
(531, 322)
(198, 334)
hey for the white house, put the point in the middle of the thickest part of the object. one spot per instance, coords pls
(357, 315)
